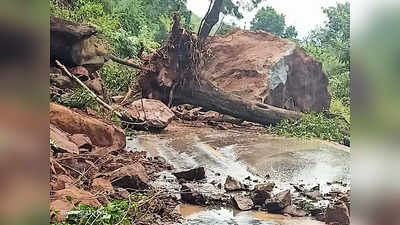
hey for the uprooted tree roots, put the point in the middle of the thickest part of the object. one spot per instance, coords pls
(175, 78)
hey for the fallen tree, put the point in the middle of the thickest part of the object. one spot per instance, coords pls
(175, 78)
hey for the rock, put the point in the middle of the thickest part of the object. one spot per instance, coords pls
(82, 141)
(279, 202)
(61, 81)
(337, 213)
(79, 70)
(190, 194)
(62, 141)
(203, 194)
(96, 85)
(313, 195)
(192, 174)
(77, 196)
(101, 184)
(243, 203)
(293, 211)
(117, 99)
(131, 177)
(231, 184)
(156, 115)
(59, 209)
(105, 137)
(262, 192)
(71, 44)
(262, 67)
(62, 182)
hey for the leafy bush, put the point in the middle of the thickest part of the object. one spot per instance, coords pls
(314, 125)
(115, 212)
(80, 98)
(117, 78)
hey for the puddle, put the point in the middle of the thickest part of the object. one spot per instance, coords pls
(197, 215)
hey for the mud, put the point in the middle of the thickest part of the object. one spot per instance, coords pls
(195, 215)
(305, 167)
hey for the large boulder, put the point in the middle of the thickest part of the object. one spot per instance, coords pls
(150, 114)
(73, 131)
(72, 45)
(262, 67)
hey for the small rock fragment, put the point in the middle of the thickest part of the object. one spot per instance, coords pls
(231, 184)
(293, 211)
(242, 202)
(338, 213)
(192, 174)
(279, 202)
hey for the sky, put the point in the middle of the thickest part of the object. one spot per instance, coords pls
(305, 15)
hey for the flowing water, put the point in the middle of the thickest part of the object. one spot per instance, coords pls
(247, 156)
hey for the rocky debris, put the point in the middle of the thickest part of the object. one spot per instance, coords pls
(262, 192)
(293, 211)
(262, 67)
(203, 194)
(337, 214)
(150, 114)
(189, 194)
(277, 203)
(131, 177)
(192, 174)
(104, 137)
(231, 184)
(242, 202)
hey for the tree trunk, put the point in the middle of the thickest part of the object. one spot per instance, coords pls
(211, 19)
(175, 77)
(206, 95)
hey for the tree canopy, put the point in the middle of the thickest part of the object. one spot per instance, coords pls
(269, 20)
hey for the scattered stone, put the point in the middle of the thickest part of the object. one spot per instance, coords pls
(243, 203)
(262, 192)
(192, 174)
(190, 194)
(338, 213)
(313, 195)
(131, 177)
(279, 202)
(231, 184)
(293, 211)
(75, 195)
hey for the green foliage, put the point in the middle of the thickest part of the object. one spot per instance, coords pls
(314, 125)
(117, 78)
(115, 212)
(80, 98)
(269, 20)
(331, 46)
